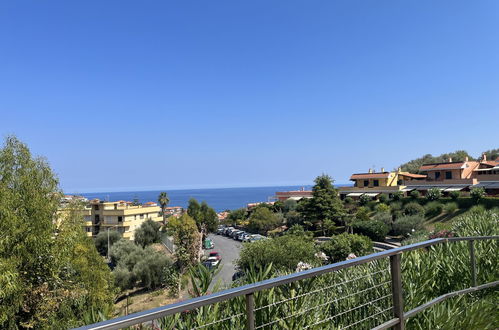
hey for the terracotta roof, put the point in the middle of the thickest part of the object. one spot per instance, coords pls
(490, 162)
(441, 166)
(412, 175)
(381, 175)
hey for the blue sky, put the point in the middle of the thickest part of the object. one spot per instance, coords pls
(122, 95)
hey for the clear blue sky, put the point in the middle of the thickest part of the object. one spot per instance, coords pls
(123, 95)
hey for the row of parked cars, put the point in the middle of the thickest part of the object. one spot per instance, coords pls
(239, 235)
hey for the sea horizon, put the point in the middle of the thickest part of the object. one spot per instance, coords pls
(220, 199)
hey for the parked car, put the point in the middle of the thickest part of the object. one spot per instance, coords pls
(211, 262)
(241, 236)
(221, 230)
(255, 238)
(228, 231)
(234, 234)
(215, 254)
(208, 244)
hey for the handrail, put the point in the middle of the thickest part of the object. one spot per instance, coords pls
(250, 289)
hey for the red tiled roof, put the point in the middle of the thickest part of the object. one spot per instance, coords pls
(358, 176)
(412, 175)
(440, 166)
(490, 162)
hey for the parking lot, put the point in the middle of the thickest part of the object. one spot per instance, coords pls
(229, 250)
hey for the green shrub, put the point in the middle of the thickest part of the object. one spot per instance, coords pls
(375, 230)
(455, 194)
(383, 198)
(340, 246)
(102, 238)
(407, 225)
(450, 207)
(348, 200)
(433, 194)
(283, 252)
(477, 194)
(413, 208)
(383, 208)
(384, 217)
(148, 233)
(415, 194)
(362, 214)
(396, 196)
(364, 199)
(433, 208)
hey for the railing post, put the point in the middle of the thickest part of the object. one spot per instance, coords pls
(398, 300)
(250, 311)
(473, 262)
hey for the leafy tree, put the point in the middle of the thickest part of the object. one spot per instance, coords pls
(102, 238)
(298, 230)
(123, 249)
(263, 220)
(236, 216)
(477, 194)
(187, 239)
(294, 217)
(491, 154)
(324, 204)
(375, 230)
(364, 199)
(153, 270)
(433, 194)
(284, 253)
(414, 165)
(148, 233)
(51, 275)
(340, 246)
(362, 214)
(382, 208)
(289, 205)
(205, 217)
(163, 200)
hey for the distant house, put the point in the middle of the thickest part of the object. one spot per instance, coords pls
(174, 210)
(293, 194)
(448, 176)
(375, 183)
(487, 175)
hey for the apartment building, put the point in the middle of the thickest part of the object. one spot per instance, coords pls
(375, 183)
(121, 216)
(487, 175)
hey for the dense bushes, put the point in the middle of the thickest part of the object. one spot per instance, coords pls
(102, 238)
(413, 208)
(407, 225)
(340, 246)
(283, 252)
(148, 233)
(375, 230)
(450, 207)
(432, 209)
(433, 194)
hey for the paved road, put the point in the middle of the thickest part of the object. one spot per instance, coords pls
(229, 250)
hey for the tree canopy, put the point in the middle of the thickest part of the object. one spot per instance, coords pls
(148, 233)
(414, 165)
(262, 220)
(187, 240)
(51, 275)
(205, 217)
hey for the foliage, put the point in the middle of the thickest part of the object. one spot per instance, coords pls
(455, 194)
(298, 230)
(432, 209)
(433, 194)
(348, 200)
(383, 198)
(382, 208)
(148, 233)
(163, 201)
(154, 270)
(413, 208)
(340, 246)
(450, 207)
(51, 275)
(201, 278)
(384, 217)
(415, 194)
(205, 217)
(289, 205)
(263, 220)
(492, 154)
(187, 239)
(397, 195)
(414, 165)
(102, 238)
(236, 216)
(477, 194)
(407, 225)
(325, 204)
(283, 252)
(375, 230)
(364, 199)
(362, 214)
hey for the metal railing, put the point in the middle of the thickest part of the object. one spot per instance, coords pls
(386, 305)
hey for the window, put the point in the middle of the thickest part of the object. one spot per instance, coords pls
(142, 216)
(437, 175)
(120, 219)
(96, 207)
(448, 175)
(376, 183)
(97, 219)
(366, 183)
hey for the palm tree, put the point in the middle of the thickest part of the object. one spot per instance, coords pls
(163, 200)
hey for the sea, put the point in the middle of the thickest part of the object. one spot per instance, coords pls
(220, 199)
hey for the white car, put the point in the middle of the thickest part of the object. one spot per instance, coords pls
(214, 261)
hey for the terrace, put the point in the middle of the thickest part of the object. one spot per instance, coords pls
(372, 291)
